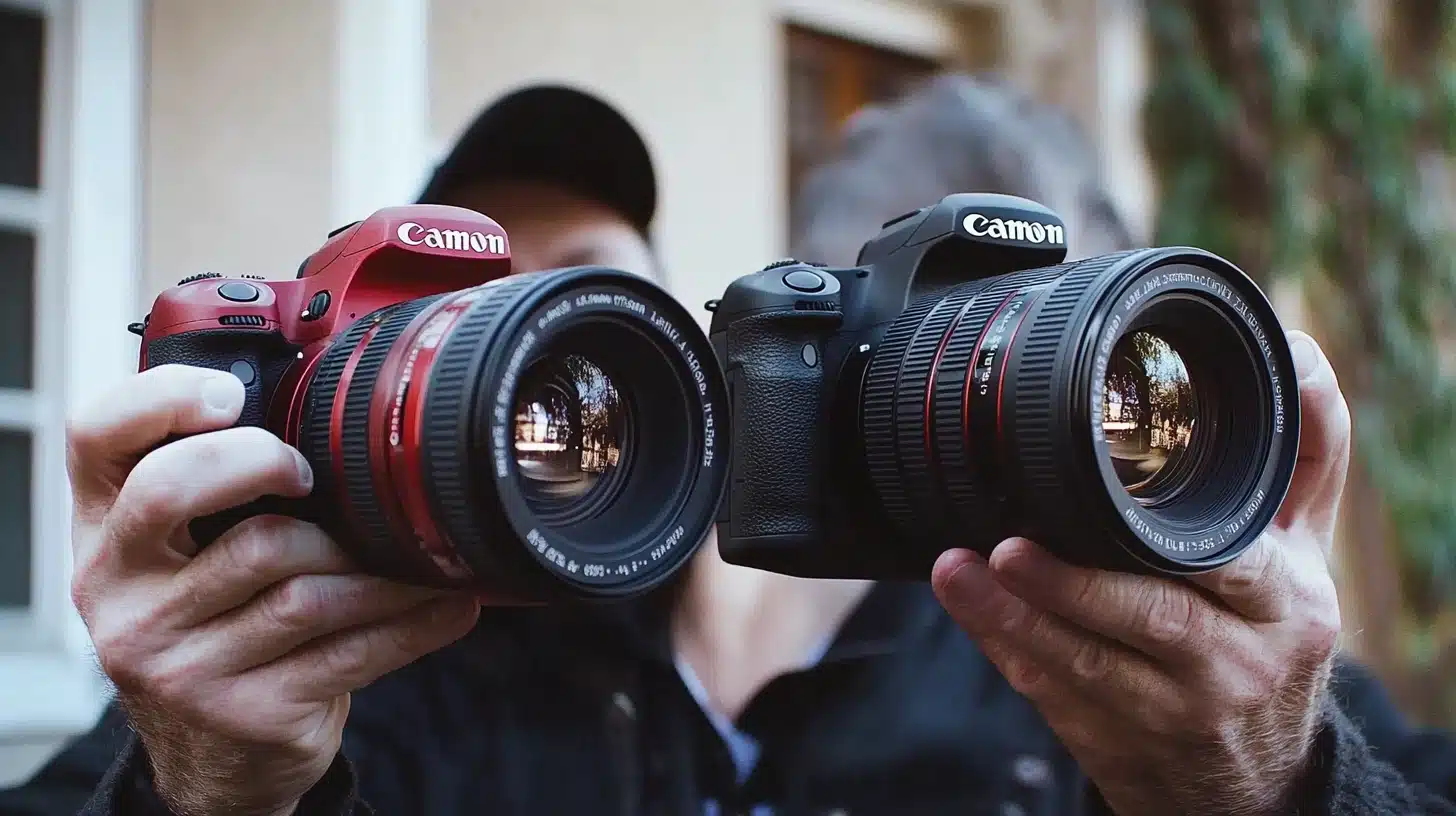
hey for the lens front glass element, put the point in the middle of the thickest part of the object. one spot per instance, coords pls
(569, 431)
(1148, 415)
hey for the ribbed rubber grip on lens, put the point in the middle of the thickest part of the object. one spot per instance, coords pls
(359, 490)
(1041, 417)
(912, 477)
(453, 428)
(964, 487)
(882, 382)
(318, 411)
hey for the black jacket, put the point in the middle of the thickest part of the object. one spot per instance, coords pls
(544, 712)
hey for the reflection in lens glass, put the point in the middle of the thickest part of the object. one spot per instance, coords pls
(1147, 412)
(568, 429)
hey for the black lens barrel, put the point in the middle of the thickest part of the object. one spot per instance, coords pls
(981, 412)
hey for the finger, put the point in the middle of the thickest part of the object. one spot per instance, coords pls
(1167, 621)
(1324, 439)
(193, 477)
(106, 437)
(352, 659)
(244, 561)
(1259, 585)
(296, 611)
(1039, 643)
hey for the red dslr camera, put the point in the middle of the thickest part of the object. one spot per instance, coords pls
(547, 436)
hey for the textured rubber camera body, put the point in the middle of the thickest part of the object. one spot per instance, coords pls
(796, 340)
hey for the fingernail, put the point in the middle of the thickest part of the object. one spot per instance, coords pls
(223, 393)
(971, 585)
(1306, 356)
(305, 470)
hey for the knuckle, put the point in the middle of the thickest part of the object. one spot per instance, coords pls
(120, 656)
(1320, 632)
(297, 602)
(255, 543)
(1253, 571)
(1167, 615)
(346, 657)
(1091, 662)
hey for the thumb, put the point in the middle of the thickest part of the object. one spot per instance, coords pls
(1324, 439)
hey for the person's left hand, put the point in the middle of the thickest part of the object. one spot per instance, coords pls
(1176, 698)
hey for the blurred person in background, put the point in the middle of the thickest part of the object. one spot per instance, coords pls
(1022, 686)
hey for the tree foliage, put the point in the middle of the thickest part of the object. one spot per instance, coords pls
(1293, 139)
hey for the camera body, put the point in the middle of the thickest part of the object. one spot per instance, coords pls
(271, 333)
(796, 341)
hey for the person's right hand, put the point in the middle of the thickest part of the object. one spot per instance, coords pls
(234, 663)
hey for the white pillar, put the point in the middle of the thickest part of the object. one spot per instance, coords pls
(382, 141)
(103, 223)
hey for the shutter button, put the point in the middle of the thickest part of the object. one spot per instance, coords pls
(803, 280)
(238, 292)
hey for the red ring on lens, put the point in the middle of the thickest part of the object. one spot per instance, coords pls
(396, 435)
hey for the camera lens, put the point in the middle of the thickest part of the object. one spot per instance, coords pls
(1133, 411)
(570, 427)
(494, 437)
(1148, 416)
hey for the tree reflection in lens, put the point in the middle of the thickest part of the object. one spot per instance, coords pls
(568, 428)
(1147, 412)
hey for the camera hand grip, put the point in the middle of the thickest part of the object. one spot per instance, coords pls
(258, 359)
(778, 388)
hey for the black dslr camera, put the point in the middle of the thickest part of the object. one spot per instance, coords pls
(1135, 411)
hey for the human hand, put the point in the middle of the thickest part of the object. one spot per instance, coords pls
(234, 663)
(1198, 696)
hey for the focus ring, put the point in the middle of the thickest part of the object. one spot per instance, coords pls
(1038, 409)
(878, 401)
(357, 466)
(962, 483)
(912, 475)
(318, 409)
(448, 423)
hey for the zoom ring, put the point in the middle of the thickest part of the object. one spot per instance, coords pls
(359, 485)
(316, 424)
(968, 502)
(448, 423)
(913, 465)
(1034, 429)
(878, 407)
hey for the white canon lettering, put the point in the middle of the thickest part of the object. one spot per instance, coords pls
(1030, 232)
(406, 229)
(457, 240)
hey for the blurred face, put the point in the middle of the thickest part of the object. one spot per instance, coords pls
(551, 228)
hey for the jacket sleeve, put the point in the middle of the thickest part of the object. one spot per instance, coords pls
(106, 773)
(1366, 758)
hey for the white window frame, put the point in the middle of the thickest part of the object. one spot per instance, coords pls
(87, 221)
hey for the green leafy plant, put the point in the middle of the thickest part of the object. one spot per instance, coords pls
(1293, 138)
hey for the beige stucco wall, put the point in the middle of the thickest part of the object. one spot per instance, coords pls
(700, 78)
(241, 120)
(239, 136)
